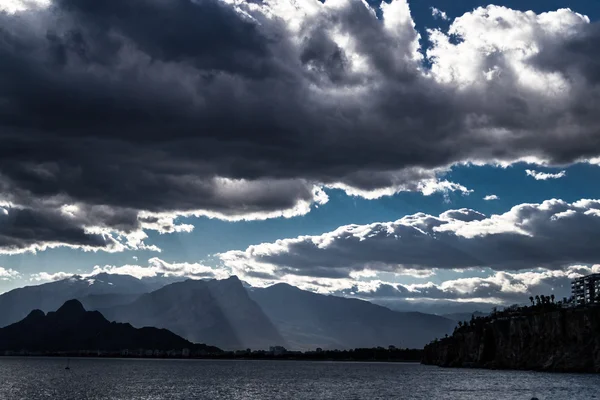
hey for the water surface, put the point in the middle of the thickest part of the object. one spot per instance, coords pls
(46, 378)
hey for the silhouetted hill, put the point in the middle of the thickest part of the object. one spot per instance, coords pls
(308, 320)
(72, 328)
(547, 337)
(17, 303)
(218, 312)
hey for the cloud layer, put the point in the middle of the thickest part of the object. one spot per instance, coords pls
(500, 288)
(155, 268)
(160, 268)
(551, 235)
(8, 274)
(150, 110)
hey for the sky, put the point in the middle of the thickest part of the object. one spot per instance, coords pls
(412, 152)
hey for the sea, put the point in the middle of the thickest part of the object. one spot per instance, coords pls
(153, 379)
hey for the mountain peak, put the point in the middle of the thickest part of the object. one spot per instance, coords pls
(35, 314)
(101, 275)
(232, 285)
(286, 286)
(230, 282)
(232, 279)
(71, 307)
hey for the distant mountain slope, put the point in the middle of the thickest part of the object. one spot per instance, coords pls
(218, 312)
(100, 302)
(71, 328)
(442, 308)
(17, 303)
(308, 320)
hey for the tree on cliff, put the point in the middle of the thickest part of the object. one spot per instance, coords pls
(537, 300)
(552, 297)
(531, 300)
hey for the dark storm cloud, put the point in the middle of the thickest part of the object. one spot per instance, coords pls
(577, 53)
(29, 230)
(238, 111)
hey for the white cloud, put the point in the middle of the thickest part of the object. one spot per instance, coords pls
(156, 267)
(12, 6)
(430, 187)
(490, 197)
(426, 187)
(501, 52)
(8, 274)
(437, 13)
(498, 288)
(50, 277)
(543, 176)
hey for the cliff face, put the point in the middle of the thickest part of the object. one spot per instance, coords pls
(554, 340)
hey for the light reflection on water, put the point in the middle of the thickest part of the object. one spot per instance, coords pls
(41, 378)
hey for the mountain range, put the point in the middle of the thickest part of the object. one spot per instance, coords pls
(309, 320)
(230, 314)
(72, 328)
(17, 303)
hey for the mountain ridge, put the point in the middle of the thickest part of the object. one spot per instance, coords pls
(310, 320)
(232, 315)
(219, 312)
(71, 328)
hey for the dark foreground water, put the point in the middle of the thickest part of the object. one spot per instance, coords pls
(46, 378)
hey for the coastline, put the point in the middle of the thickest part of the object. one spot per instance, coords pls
(494, 368)
(379, 354)
(213, 358)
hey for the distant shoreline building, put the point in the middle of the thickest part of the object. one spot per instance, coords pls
(586, 290)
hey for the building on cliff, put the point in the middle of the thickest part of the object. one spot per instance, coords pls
(586, 290)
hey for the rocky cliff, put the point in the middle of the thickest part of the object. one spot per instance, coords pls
(535, 339)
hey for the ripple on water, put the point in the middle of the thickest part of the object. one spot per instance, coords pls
(42, 378)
